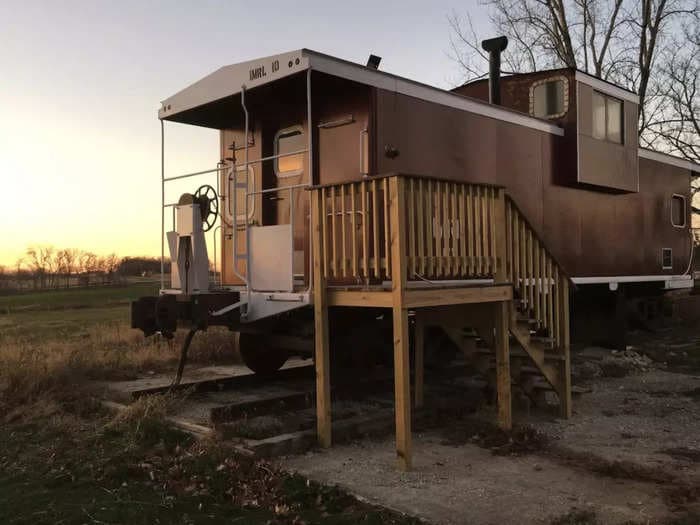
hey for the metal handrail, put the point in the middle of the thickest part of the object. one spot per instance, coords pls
(271, 157)
(233, 168)
(194, 174)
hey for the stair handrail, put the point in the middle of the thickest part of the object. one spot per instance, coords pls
(538, 276)
(514, 204)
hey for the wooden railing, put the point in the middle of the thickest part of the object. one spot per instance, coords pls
(452, 230)
(538, 279)
(355, 230)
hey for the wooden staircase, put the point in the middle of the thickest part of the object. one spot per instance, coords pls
(538, 320)
(539, 312)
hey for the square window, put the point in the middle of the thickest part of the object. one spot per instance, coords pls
(598, 116)
(678, 211)
(608, 114)
(614, 119)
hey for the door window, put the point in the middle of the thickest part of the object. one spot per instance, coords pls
(290, 146)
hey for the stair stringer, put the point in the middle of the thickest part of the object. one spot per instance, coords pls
(550, 370)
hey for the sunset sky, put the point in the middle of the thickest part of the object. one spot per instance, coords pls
(81, 84)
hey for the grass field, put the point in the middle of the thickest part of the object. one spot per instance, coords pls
(94, 297)
(63, 459)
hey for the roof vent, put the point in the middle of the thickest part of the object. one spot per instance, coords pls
(373, 61)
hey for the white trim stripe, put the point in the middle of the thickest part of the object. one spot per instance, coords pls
(631, 279)
(605, 87)
(668, 159)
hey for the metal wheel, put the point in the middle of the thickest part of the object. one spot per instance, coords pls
(208, 205)
(259, 355)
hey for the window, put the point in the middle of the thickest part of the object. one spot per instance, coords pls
(678, 212)
(549, 98)
(607, 118)
(666, 259)
(289, 141)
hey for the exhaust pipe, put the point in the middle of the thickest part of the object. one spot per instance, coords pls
(495, 46)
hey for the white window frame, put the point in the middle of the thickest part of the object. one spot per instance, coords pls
(275, 163)
(685, 211)
(556, 78)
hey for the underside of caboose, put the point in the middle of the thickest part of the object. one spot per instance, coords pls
(350, 198)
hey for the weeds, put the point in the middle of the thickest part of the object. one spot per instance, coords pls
(65, 370)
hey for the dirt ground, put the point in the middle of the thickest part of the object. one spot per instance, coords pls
(630, 454)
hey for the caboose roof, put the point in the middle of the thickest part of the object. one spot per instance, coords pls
(195, 102)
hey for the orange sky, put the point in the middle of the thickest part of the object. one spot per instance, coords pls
(82, 81)
(81, 84)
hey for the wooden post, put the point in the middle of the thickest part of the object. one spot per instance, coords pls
(323, 383)
(502, 347)
(565, 380)
(501, 238)
(402, 380)
(418, 362)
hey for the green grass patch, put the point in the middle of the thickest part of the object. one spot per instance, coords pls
(44, 325)
(94, 297)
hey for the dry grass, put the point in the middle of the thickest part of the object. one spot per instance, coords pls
(63, 370)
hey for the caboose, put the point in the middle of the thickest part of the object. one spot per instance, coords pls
(353, 206)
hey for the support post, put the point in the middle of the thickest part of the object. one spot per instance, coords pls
(502, 347)
(402, 380)
(419, 361)
(565, 380)
(323, 383)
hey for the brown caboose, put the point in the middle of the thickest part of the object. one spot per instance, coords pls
(343, 193)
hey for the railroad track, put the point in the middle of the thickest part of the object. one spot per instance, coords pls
(275, 414)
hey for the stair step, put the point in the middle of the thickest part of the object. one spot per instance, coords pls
(526, 320)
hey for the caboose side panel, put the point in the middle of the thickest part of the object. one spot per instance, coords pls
(592, 231)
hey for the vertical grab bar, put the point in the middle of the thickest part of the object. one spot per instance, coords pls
(162, 205)
(291, 227)
(364, 133)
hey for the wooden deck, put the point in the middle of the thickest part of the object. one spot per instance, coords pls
(454, 255)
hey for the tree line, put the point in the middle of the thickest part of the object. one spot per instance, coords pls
(46, 267)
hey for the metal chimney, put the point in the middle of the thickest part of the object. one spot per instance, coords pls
(495, 46)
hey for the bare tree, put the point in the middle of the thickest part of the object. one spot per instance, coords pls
(66, 263)
(617, 40)
(41, 263)
(651, 47)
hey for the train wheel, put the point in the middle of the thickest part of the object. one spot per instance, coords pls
(259, 355)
